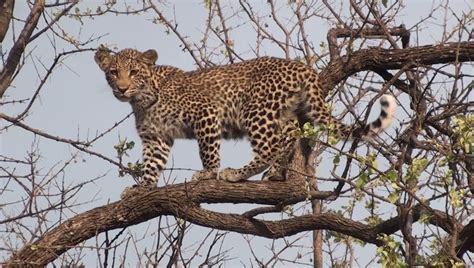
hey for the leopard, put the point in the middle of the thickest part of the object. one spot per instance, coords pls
(259, 99)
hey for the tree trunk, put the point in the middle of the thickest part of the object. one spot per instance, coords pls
(304, 162)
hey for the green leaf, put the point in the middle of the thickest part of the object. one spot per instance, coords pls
(208, 4)
(333, 139)
(415, 169)
(464, 132)
(395, 186)
(393, 197)
(425, 217)
(391, 175)
(362, 180)
(456, 197)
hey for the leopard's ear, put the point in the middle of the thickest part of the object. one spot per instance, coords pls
(103, 58)
(150, 56)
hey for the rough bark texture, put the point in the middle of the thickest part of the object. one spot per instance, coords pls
(182, 200)
(6, 12)
(466, 239)
(303, 162)
(317, 206)
(375, 59)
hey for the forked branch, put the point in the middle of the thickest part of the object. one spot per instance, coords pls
(376, 59)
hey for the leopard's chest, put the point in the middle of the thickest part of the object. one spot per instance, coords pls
(164, 122)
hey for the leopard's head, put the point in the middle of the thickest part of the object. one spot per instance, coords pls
(127, 71)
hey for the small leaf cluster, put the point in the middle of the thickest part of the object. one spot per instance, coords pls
(389, 255)
(133, 169)
(464, 132)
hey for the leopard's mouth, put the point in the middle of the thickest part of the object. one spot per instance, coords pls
(122, 96)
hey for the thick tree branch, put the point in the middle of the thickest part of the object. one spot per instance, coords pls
(374, 32)
(466, 239)
(19, 46)
(376, 59)
(182, 200)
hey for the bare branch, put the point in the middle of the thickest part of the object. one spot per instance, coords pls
(19, 46)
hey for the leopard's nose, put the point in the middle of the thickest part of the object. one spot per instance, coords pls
(122, 86)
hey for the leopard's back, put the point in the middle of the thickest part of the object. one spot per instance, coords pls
(259, 99)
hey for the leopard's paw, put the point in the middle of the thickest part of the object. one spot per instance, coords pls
(204, 175)
(231, 175)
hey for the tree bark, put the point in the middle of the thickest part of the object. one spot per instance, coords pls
(317, 206)
(183, 201)
(6, 13)
(374, 59)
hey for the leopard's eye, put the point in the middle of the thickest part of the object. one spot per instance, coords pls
(113, 72)
(133, 72)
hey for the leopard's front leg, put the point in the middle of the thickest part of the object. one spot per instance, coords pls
(155, 156)
(208, 134)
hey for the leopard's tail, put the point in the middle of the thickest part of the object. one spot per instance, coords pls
(320, 115)
(388, 104)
